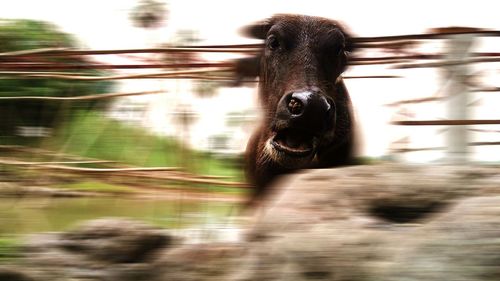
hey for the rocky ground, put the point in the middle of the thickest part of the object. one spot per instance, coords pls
(378, 222)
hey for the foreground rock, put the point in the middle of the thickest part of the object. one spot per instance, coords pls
(96, 250)
(119, 249)
(380, 222)
(383, 222)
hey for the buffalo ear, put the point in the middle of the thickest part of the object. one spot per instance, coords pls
(249, 67)
(348, 48)
(349, 43)
(246, 68)
(349, 38)
(257, 30)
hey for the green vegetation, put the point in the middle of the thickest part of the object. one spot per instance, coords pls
(79, 127)
(91, 134)
(9, 246)
(19, 35)
(365, 160)
(30, 215)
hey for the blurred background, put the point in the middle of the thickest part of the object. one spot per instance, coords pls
(128, 108)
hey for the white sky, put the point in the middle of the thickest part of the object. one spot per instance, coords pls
(105, 24)
(102, 24)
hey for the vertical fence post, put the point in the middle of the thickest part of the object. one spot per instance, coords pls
(457, 49)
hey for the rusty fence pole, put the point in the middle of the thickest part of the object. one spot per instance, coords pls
(458, 49)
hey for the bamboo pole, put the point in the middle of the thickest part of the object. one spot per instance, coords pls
(142, 172)
(446, 63)
(155, 75)
(41, 151)
(110, 170)
(24, 163)
(88, 97)
(62, 66)
(57, 52)
(437, 34)
(413, 101)
(445, 122)
(163, 75)
(404, 150)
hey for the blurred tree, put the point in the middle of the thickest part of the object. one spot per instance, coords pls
(186, 117)
(183, 37)
(149, 14)
(241, 118)
(18, 35)
(206, 88)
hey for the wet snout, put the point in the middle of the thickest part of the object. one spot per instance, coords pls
(308, 110)
(302, 118)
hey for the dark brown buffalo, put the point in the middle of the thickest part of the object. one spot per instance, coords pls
(307, 111)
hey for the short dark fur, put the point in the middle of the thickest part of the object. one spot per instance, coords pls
(302, 53)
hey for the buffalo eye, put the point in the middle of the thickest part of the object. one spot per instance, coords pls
(273, 43)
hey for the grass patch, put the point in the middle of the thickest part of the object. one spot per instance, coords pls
(90, 134)
(229, 190)
(9, 248)
(96, 186)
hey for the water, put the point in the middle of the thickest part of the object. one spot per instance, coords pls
(29, 215)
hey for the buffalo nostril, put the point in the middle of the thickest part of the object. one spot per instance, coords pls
(295, 106)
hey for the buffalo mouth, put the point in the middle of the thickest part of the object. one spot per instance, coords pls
(294, 142)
